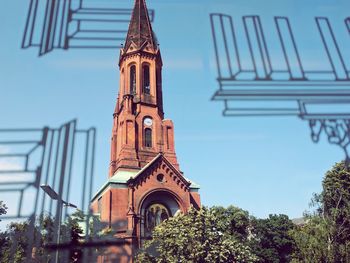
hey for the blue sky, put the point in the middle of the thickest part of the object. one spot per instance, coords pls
(263, 165)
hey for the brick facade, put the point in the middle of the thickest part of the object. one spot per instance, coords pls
(144, 172)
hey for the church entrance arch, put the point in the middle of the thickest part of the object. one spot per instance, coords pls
(157, 207)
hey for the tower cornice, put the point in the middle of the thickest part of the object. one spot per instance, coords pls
(140, 53)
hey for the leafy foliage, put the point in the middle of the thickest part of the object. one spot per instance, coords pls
(232, 221)
(336, 201)
(325, 237)
(14, 241)
(312, 241)
(195, 237)
(270, 239)
(74, 234)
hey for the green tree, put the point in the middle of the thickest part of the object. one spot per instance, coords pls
(325, 237)
(194, 238)
(15, 240)
(270, 239)
(3, 237)
(335, 199)
(74, 234)
(232, 221)
(15, 243)
(311, 241)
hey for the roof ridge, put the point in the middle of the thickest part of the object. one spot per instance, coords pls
(167, 162)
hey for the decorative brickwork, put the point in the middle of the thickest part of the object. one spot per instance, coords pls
(145, 184)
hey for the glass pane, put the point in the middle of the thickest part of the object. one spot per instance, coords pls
(146, 81)
(148, 137)
(133, 80)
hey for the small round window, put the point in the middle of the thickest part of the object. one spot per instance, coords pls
(160, 178)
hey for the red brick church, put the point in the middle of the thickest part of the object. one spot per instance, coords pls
(145, 184)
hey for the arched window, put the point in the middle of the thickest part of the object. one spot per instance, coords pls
(156, 208)
(133, 79)
(148, 138)
(122, 82)
(155, 215)
(146, 80)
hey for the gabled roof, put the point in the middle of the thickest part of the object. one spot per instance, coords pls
(140, 28)
(159, 157)
(124, 178)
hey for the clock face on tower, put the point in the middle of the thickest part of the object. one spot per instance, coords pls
(147, 122)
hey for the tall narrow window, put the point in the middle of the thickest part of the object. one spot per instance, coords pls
(148, 138)
(122, 82)
(168, 134)
(146, 80)
(133, 79)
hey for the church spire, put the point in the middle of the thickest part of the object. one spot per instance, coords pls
(140, 131)
(140, 28)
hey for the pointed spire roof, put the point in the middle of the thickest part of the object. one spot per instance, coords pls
(140, 28)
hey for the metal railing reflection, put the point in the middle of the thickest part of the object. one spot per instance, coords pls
(64, 159)
(66, 24)
(252, 83)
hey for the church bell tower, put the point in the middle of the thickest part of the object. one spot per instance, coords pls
(140, 131)
(145, 185)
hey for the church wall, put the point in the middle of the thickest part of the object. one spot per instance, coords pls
(104, 212)
(119, 209)
(100, 207)
(114, 207)
(195, 199)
